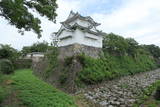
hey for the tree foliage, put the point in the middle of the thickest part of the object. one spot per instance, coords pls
(18, 13)
(7, 52)
(132, 47)
(36, 47)
(153, 49)
(115, 44)
(119, 46)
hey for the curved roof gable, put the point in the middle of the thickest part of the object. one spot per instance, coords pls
(73, 16)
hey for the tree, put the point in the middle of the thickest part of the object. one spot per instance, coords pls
(115, 44)
(36, 47)
(18, 13)
(7, 52)
(39, 47)
(133, 46)
(153, 50)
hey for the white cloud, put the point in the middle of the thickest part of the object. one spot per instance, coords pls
(139, 19)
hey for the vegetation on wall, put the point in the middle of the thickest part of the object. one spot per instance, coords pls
(22, 63)
(109, 67)
(52, 58)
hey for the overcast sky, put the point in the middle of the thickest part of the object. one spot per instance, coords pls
(139, 19)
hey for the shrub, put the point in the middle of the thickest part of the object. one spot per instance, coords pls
(94, 70)
(109, 67)
(63, 78)
(52, 58)
(7, 52)
(6, 66)
(68, 60)
(22, 63)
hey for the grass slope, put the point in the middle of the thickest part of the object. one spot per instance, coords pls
(33, 92)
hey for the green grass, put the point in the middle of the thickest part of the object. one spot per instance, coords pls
(35, 93)
(2, 94)
(3, 90)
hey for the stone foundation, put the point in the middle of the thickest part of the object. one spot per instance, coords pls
(75, 49)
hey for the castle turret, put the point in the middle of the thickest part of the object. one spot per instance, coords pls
(78, 34)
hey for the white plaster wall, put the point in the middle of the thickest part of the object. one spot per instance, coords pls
(80, 38)
(65, 33)
(91, 35)
(38, 55)
(79, 35)
(92, 42)
(67, 41)
(28, 55)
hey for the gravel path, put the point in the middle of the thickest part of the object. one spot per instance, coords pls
(121, 92)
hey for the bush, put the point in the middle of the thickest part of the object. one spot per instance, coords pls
(52, 58)
(6, 66)
(7, 52)
(109, 67)
(63, 78)
(22, 63)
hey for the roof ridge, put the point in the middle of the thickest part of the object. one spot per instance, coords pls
(78, 15)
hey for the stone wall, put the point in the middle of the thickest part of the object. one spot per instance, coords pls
(75, 49)
(54, 76)
(69, 71)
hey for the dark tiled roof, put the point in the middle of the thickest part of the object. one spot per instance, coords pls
(77, 15)
(85, 29)
(72, 28)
